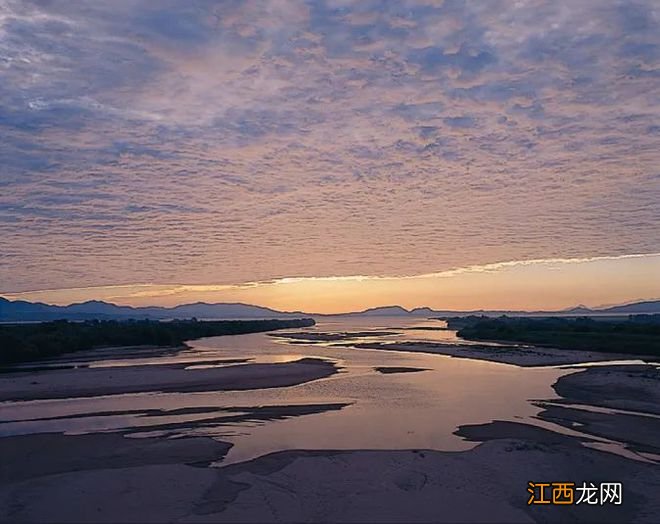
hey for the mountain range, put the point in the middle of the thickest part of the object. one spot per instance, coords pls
(19, 310)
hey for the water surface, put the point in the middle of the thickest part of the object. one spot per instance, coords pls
(370, 410)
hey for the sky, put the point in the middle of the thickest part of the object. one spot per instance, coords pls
(331, 155)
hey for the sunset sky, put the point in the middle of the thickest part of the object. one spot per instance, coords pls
(331, 155)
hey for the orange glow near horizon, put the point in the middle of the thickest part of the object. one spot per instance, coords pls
(522, 285)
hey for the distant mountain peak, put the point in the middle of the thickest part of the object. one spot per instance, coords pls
(385, 310)
(98, 309)
(20, 310)
(577, 309)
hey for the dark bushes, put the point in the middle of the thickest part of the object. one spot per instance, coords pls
(25, 342)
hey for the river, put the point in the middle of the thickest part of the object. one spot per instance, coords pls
(357, 408)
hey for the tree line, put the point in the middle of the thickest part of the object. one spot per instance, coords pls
(638, 334)
(29, 342)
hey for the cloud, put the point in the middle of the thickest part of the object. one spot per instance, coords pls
(239, 141)
(462, 122)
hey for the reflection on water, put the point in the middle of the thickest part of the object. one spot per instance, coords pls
(380, 411)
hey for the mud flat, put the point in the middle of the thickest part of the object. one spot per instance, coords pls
(629, 387)
(389, 370)
(517, 355)
(485, 484)
(618, 403)
(88, 381)
(102, 478)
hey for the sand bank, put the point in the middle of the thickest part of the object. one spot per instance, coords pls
(516, 355)
(102, 478)
(86, 382)
(632, 388)
(618, 403)
(519, 355)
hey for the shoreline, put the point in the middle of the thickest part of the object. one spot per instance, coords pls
(523, 356)
(166, 378)
(101, 477)
(610, 387)
(153, 473)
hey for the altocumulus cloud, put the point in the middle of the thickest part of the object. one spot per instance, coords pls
(228, 142)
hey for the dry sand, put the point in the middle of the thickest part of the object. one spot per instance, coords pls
(84, 382)
(516, 355)
(108, 478)
(633, 388)
(103, 478)
(630, 396)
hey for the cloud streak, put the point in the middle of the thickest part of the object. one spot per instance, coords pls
(521, 284)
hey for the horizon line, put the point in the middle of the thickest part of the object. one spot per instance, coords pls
(537, 284)
(353, 312)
